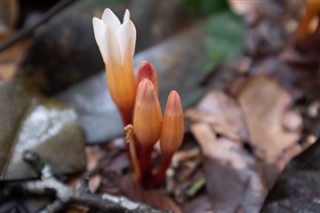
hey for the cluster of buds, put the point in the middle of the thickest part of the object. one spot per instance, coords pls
(310, 22)
(138, 98)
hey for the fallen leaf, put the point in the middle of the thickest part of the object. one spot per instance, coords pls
(184, 155)
(93, 155)
(233, 178)
(223, 113)
(278, 70)
(94, 183)
(264, 104)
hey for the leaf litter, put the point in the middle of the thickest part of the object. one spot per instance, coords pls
(238, 138)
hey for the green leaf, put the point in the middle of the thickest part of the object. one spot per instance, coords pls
(206, 6)
(224, 38)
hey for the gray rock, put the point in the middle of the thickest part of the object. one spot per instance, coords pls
(43, 126)
(64, 51)
(14, 105)
(298, 187)
(180, 64)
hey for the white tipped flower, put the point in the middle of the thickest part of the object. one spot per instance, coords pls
(117, 42)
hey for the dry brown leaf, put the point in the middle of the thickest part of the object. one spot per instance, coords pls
(233, 177)
(184, 155)
(188, 170)
(223, 113)
(264, 105)
(93, 155)
(204, 135)
(218, 123)
(94, 183)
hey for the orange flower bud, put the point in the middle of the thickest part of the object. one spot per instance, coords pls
(312, 12)
(146, 70)
(147, 115)
(173, 125)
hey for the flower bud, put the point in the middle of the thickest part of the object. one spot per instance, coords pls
(146, 70)
(147, 115)
(172, 130)
(311, 16)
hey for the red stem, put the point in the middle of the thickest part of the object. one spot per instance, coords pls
(145, 162)
(126, 117)
(161, 174)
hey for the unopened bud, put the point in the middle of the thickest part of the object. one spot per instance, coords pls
(147, 115)
(146, 70)
(172, 130)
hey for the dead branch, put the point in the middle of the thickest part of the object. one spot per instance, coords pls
(64, 195)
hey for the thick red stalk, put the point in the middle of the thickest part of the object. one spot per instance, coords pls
(145, 162)
(159, 177)
(126, 116)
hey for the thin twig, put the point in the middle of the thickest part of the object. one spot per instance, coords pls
(66, 195)
(28, 31)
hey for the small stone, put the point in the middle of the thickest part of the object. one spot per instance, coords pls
(298, 187)
(48, 128)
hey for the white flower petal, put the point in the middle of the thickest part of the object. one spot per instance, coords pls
(112, 47)
(99, 34)
(126, 16)
(110, 19)
(127, 40)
